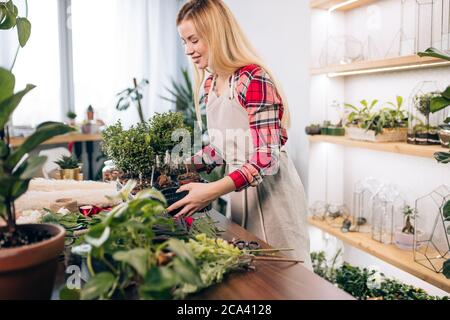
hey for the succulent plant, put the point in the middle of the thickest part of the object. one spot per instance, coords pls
(67, 162)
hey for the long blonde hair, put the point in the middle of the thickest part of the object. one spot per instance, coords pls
(229, 48)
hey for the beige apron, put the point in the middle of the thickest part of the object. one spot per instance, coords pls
(276, 209)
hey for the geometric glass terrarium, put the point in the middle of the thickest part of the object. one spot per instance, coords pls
(363, 195)
(432, 221)
(388, 206)
(423, 125)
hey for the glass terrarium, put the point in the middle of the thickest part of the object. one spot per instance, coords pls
(423, 125)
(363, 194)
(432, 228)
(387, 208)
(318, 210)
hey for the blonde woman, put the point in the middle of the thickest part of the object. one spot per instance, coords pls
(247, 120)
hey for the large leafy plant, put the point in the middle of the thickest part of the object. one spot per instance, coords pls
(182, 95)
(16, 167)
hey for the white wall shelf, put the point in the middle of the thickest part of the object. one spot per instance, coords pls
(393, 147)
(401, 259)
(342, 5)
(383, 65)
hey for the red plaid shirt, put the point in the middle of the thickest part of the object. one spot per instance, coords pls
(257, 94)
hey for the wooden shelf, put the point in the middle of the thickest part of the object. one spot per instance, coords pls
(70, 137)
(394, 147)
(402, 259)
(327, 4)
(383, 65)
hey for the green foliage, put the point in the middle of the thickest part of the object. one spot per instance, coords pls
(386, 118)
(182, 95)
(162, 125)
(71, 115)
(131, 96)
(446, 269)
(67, 162)
(423, 102)
(134, 150)
(367, 284)
(16, 170)
(435, 53)
(442, 157)
(125, 253)
(131, 150)
(9, 18)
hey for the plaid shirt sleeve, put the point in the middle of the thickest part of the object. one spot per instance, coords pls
(258, 95)
(207, 158)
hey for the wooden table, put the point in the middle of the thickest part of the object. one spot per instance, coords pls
(78, 139)
(270, 280)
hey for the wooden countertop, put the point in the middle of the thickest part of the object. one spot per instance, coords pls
(270, 280)
(65, 138)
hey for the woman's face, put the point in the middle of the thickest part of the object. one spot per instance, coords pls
(194, 46)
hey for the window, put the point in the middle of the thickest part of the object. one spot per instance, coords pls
(109, 49)
(38, 63)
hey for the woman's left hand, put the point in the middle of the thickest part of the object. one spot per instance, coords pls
(201, 195)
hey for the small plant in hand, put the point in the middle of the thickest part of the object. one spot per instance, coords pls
(68, 162)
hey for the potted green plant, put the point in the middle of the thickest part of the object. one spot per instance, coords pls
(385, 125)
(132, 95)
(69, 168)
(404, 236)
(181, 95)
(28, 253)
(71, 116)
(134, 151)
(312, 129)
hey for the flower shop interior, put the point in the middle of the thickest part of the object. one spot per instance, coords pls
(89, 101)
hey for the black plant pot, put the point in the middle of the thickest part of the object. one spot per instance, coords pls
(172, 196)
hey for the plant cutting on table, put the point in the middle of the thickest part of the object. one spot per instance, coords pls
(127, 257)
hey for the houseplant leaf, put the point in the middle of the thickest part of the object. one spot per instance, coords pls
(436, 53)
(438, 104)
(442, 157)
(446, 93)
(446, 269)
(9, 14)
(97, 286)
(137, 258)
(43, 133)
(7, 82)
(12, 187)
(446, 211)
(8, 105)
(30, 167)
(23, 31)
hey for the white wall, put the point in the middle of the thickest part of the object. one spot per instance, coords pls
(280, 30)
(333, 169)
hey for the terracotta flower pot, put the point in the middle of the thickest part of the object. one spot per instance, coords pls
(28, 272)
